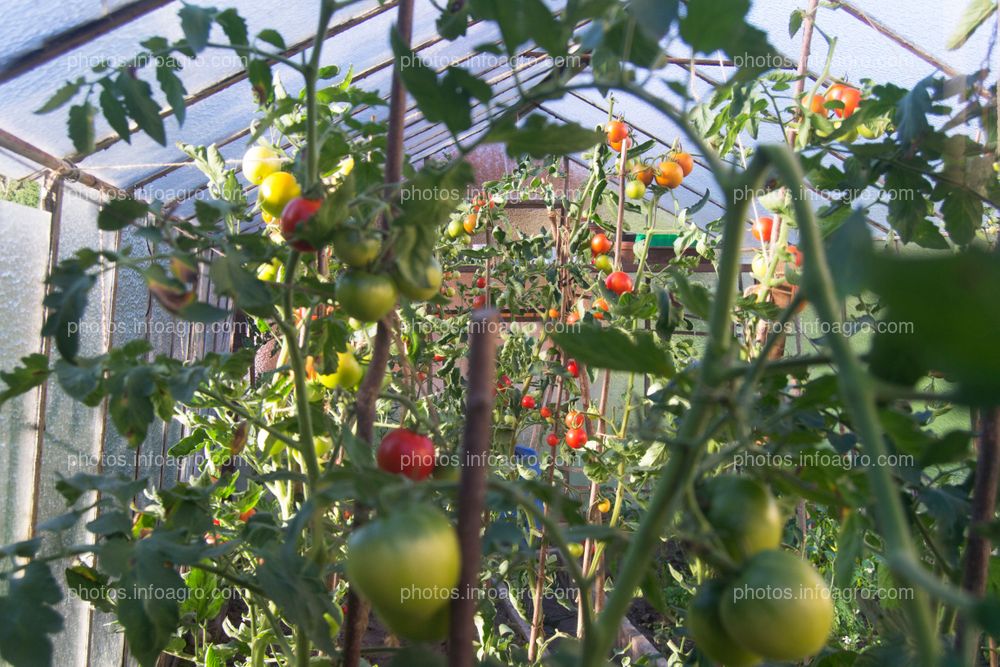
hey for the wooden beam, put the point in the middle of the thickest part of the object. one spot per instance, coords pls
(58, 166)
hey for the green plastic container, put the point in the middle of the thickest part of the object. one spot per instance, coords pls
(657, 240)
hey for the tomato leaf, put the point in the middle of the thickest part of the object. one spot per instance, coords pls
(66, 304)
(272, 37)
(614, 349)
(848, 249)
(537, 137)
(295, 585)
(963, 215)
(231, 279)
(912, 110)
(850, 546)
(234, 26)
(196, 22)
(120, 213)
(61, 96)
(81, 127)
(28, 616)
(149, 620)
(114, 111)
(654, 17)
(34, 371)
(976, 14)
(137, 96)
(173, 90)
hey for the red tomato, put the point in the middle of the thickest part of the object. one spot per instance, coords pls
(616, 131)
(600, 244)
(245, 516)
(619, 282)
(403, 452)
(619, 146)
(528, 402)
(479, 301)
(601, 304)
(545, 412)
(298, 212)
(572, 318)
(480, 282)
(576, 438)
(573, 368)
(848, 96)
(439, 357)
(816, 105)
(796, 254)
(552, 439)
(762, 229)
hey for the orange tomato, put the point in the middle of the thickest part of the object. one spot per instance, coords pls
(470, 223)
(669, 174)
(643, 173)
(616, 131)
(685, 161)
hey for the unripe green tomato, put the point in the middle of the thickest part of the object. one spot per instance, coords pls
(575, 549)
(635, 190)
(466, 239)
(323, 444)
(758, 267)
(867, 131)
(356, 248)
(709, 635)
(744, 514)
(455, 228)
(604, 264)
(267, 272)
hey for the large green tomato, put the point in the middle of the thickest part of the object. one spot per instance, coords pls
(706, 629)
(407, 565)
(347, 375)
(356, 248)
(418, 292)
(366, 296)
(455, 228)
(779, 607)
(745, 515)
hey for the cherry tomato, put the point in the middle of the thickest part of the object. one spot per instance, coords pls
(616, 130)
(545, 412)
(796, 255)
(573, 368)
(623, 145)
(574, 419)
(480, 282)
(415, 292)
(297, 213)
(642, 173)
(552, 439)
(478, 301)
(601, 304)
(277, 190)
(685, 161)
(846, 95)
(761, 229)
(816, 105)
(245, 516)
(600, 244)
(367, 297)
(439, 358)
(635, 190)
(604, 264)
(669, 174)
(259, 162)
(403, 452)
(603, 505)
(470, 223)
(528, 402)
(619, 282)
(572, 318)
(576, 438)
(553, 313)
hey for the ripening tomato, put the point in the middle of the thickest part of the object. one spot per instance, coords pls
(480, 282)
(545, 412)
(470, 223)
(572, 318)
(816, 105)
(245, 516)
(616, 131)
(642, 173)
(601, 304)
(403, 452)
(574, 419)
(635, 190)
(439, 358)
(669, 174)
(604, 264)
(553, 313)
(685, 161)
(528, 402)
(600, 244)
(603, 505)
(576, 438)
(573, 368)
(478, 301)
(796, 254)
(298, 213)
(619, 282)
(848, 96)
(761, 229)
(552, 439)
(277, 190)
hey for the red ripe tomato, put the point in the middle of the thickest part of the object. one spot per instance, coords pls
(545, 412)
(574, 419)
(480, 282)
(503, 383)
(762, 229)
(576, 438)
(601, 304)
(298, 212)
(528, 402)
(816, 105)
(619, 282)
(796, 255)
(552, 439)
(245, 516)
(600, 244)
(848, 96)
(439, 357)
(616, 131)
(573, 368)
(403, 452)
(479, 301)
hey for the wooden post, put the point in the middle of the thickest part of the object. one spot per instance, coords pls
(472, 483)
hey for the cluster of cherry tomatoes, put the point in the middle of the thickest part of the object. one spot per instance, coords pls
(666, 172)
(848, 96)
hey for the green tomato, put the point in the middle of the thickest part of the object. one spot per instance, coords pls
(347, 375)
(705, 625)
(575, 549)
(758, 267)
(455, 227)
(407, 565)
(466, 239)
(268, 444)
(418, 292)
(745, 515)
(778, 607)
(355, 247)
(635, 190)
(604, 264)
(267, 272)
(322, 444)
(867, 131)
(366, 296)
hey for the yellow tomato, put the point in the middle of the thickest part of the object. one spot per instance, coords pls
(260, 162)
(277, 190)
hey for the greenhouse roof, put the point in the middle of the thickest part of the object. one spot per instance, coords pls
(50, 43)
